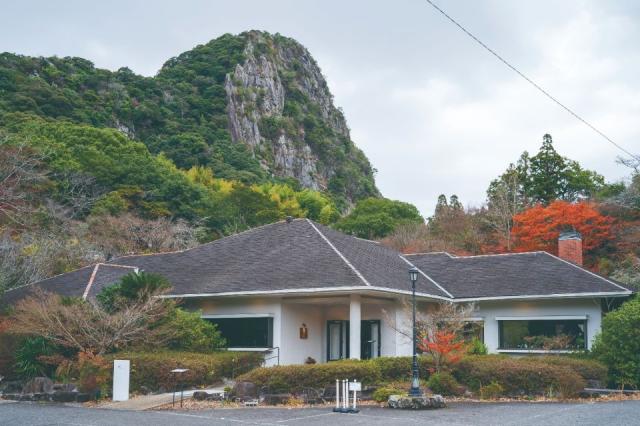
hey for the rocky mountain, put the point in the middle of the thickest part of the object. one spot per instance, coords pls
(252, 107)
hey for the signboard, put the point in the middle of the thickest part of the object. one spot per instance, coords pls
(355, 386)
(121, 380)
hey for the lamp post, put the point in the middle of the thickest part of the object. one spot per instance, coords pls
(415, 381)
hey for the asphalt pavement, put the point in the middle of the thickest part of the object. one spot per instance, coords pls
(480, 414)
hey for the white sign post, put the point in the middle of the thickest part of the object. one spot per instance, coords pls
(121, 369)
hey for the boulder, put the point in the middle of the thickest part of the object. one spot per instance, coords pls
(13, 386)
(200, 395)
(38, 385)
(416, 402)
(245, 390)
(65, 387)
(276, 399)
(84, 397)
(62, 396)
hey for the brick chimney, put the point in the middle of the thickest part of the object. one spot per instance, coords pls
(570, 247)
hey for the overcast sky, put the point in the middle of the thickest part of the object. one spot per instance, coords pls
(433, 111)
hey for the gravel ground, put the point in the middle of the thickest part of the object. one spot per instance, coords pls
(618, 413)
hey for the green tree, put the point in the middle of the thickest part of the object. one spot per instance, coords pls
(192, 333)
(618, 344)
(131, 288)
(378, 217)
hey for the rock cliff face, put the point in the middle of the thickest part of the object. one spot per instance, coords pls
(279, 105)
(251, 107)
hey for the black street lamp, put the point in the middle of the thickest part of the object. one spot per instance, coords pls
(415, 381)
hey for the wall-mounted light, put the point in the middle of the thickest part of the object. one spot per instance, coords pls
(304, 333)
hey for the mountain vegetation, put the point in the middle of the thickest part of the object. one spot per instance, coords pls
(235, 133)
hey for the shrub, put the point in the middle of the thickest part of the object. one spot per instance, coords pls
(397, 368)
(27, 357)
(588, 369)
(382, 394)
(444, 383)
(294, 377)
(192, 333)
(131, 288)
(153, 369)
(618, 344)
(519, 376)
(8, 345)
(493, 390)
(477, 347)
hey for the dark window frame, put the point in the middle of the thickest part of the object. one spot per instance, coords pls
(542, 327)
(247, 324)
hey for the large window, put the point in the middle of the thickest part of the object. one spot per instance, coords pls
(246, 332)
(543, 334)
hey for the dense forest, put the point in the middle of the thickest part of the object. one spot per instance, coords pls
(527, 207)
(241, 132)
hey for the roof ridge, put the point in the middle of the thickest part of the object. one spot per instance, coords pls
(429, 253)
(246, 231)
(587, 271)
(95, 272)
(427, 277)
(499, 254)
(91, 265)
(339, 253)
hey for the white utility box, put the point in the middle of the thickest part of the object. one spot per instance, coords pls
(121, 379)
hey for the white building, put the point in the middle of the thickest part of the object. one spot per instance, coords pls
(297, 290)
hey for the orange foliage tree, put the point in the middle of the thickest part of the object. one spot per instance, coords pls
(445, 346)
(538, 227)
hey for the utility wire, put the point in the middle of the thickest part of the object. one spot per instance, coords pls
(533, 83)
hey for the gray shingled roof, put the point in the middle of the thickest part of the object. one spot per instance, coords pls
(304, 255)
(510, 275)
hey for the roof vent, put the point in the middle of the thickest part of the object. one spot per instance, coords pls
(289, 219)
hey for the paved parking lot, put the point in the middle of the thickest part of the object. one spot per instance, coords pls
(618, 413)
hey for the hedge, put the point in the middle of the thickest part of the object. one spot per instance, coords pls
(520, 376)
(295, 377)
(561, 376)
(153, 369)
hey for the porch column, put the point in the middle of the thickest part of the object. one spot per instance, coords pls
(354, 326)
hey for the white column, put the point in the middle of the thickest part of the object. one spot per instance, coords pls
(354, 326)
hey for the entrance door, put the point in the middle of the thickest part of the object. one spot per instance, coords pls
(337, 340)
(370, 339)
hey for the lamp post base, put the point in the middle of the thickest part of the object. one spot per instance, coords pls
(413, 392)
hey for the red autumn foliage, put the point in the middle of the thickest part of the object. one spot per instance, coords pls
(446, 347)
(538, 227)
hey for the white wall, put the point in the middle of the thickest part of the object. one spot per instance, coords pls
(491, 309)
(289, 317)
(246, 306)
(294, 349)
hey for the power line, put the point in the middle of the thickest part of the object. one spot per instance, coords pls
(533, 83)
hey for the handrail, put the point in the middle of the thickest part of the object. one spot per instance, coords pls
(264, 361)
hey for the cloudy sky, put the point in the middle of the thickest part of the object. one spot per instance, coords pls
(433, 111)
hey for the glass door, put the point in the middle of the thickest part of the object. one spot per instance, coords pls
(337, 340)
(370, 339)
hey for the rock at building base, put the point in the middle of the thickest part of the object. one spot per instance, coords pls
(244, 390)
(38, 385)
(200, 395)
(416, 402)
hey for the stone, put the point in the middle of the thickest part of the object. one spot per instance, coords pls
(200, 395)
(12, 386)
(38, 385)
(427, 402)
(245, 390)
(65, 387)
(62, 396)
(84, 397)
(276, 398)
